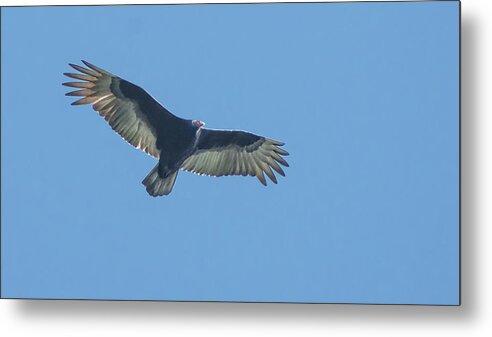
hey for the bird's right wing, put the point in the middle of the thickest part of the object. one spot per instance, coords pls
(224, 153)
(129, 110)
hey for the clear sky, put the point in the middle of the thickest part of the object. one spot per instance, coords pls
(365, 95)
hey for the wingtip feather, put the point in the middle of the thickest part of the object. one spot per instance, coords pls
(276, 142)
(95, 68)
(86, 85)
(85, 100)
(261, 178)
(84, 92)
(280, 151)
(85, 70)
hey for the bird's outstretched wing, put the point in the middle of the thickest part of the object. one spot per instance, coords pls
(223, 153)
(129, 110)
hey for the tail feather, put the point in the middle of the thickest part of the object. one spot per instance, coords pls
(157, 186)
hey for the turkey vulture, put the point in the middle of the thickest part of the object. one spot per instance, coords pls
(177, 143)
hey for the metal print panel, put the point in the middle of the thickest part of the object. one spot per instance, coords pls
(363, 96)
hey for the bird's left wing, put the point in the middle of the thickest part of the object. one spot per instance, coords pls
(223, 153)
(128, 109)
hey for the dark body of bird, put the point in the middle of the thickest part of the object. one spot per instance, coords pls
(178, 143)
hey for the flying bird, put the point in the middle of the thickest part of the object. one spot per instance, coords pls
(176, 142)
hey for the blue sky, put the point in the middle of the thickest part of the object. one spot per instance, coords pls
(365, 95)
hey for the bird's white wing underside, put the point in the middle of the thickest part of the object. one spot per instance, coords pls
(253, 160)
(122, 114)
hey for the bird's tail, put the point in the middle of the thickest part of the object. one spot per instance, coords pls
(157, 186)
